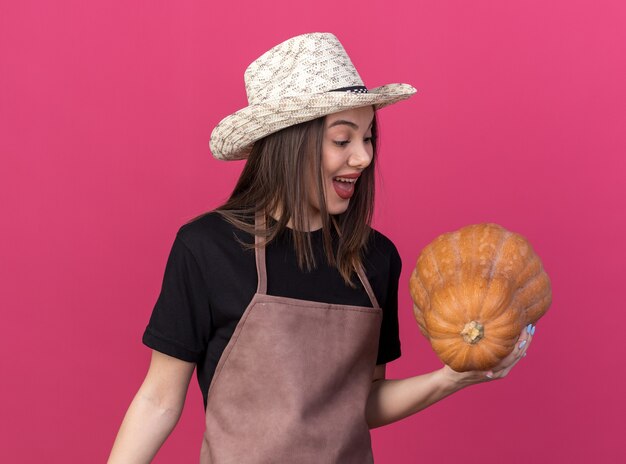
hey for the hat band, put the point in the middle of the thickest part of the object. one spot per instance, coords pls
(354, 89)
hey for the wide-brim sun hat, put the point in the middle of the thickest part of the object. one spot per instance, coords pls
(298, 80)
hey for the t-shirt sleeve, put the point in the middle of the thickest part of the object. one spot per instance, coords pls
(389, 343)
(180, 323)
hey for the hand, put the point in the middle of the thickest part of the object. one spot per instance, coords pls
(500, 371)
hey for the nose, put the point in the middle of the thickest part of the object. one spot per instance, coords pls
(361, 156)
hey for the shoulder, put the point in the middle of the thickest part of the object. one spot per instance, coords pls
(381, 256)
(380, 244)
(210, 230)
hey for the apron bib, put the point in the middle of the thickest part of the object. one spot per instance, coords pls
(292, 383)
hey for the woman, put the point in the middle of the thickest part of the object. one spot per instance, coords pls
(284, 298)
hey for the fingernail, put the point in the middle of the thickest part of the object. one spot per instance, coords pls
(532, 331)
(529, 327)
(522, 345)
(489, 375)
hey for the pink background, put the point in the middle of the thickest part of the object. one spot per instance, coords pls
(105, 114)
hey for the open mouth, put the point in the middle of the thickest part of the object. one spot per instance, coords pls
(344, 186)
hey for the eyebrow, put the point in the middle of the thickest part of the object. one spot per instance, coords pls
(348, 123)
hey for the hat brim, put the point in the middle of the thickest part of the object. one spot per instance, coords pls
(233, 137)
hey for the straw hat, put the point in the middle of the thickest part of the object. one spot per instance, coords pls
(301, 79)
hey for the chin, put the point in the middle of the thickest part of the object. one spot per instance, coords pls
(335, 209)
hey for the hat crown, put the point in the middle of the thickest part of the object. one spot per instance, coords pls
(306, 64)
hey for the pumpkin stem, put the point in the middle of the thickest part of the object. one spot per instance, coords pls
(473, 332)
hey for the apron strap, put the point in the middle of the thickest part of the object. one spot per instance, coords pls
(261, 270)
(366, 284)
(259, 251)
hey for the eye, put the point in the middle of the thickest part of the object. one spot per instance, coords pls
(369, 139)
(341, 143)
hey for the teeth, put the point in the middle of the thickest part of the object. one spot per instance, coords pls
(344, 179)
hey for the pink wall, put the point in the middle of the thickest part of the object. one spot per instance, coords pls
(105, 113)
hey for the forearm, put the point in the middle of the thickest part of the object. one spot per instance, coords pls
(144, 429)
(393, 399)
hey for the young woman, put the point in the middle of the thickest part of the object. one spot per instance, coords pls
(284, 298)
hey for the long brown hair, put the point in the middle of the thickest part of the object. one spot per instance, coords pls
(272, 181)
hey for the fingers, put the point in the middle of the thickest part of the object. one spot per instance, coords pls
(525, 339)
(521, 347)
(523, 342)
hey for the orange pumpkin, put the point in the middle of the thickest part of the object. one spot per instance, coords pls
(474, 290)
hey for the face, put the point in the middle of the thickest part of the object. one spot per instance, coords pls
(347, 150)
